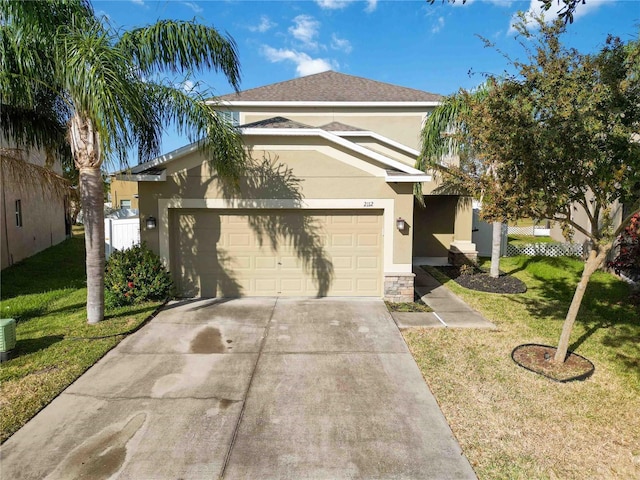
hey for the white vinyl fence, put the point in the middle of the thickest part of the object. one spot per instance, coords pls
(530, 230)
(546, 250)
(120, 234)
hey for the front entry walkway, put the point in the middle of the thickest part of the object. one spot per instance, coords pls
(254, 388)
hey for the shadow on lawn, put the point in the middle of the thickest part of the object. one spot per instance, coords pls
(30, 313)
(59, 267)
(605, 307)
(32, 345)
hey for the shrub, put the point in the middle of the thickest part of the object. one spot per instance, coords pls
(135, 275)
(627, 259)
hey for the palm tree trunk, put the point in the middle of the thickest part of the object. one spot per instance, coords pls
(91, 191)
(496, 243)
(85, 145)
(594, 261)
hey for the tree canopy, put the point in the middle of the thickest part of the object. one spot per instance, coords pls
(108, 93)
(563, 136)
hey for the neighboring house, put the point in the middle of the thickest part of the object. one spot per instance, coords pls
(123, 194)
(579, 215)
(32, 214)
(328, 208)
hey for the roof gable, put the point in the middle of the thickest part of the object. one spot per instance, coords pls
(332, 87)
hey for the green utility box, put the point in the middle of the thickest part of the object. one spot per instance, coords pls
(7, 338)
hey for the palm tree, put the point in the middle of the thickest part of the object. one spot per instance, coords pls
(112, 91)
(445, 136)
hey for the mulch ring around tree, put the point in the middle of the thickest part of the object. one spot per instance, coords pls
(474, 278)
(539, 359)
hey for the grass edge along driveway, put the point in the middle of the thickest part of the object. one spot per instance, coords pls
(514, 424)
(46, 294)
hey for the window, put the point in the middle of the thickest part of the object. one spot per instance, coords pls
(125, 203)
(18, 213)
(232, 117)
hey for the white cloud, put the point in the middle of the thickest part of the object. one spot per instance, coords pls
(340, 4)
(341, 44)
(138, 2)
(264, 25)
(193, 6)
(188, 85)
(104, 15)
(371, 6)
(305, 65)
(439, 25)
(500, 3)
(333, 4)
(535, 10)
(305, 29)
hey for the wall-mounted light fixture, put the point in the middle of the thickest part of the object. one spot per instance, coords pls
(401, 224)
(151, 223)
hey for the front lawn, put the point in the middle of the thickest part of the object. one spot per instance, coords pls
(527, 239)
(46, 294)
(514, 424)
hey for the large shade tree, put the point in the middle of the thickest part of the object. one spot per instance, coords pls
(565, 8)
(114, 91)
(565, 131)
(448, 149)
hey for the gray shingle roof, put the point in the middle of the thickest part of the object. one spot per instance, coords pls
(275, 122)
(339, 127)
(332, 87)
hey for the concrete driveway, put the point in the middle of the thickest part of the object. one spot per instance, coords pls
(253, 388)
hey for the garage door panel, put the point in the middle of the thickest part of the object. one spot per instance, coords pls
(242, 263)
(265, 286)
(289, 263)
(342, 240)
(367, 240)
(239, 240)
(266, 263)
(216, 252)
(368, 263)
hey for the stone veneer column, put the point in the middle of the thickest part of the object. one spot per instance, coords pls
(398, 287)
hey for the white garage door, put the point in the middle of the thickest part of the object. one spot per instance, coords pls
(267, 252)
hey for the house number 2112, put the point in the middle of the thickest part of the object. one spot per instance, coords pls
(368, 204)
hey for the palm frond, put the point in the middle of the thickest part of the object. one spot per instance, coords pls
(180, 46)
(18, 170)
(220, 142)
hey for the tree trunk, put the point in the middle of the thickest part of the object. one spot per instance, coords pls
(594, 261)
(85, 145)
(93, 208)
(496, 243)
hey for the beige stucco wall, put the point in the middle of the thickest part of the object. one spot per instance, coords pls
(579, 216)
(313, 173)
(43, 220)
(122, 190)
(434, 226)
(401, 124)
(446, 221)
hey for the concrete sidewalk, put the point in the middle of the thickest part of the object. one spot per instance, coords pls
(254, 388)
(448, 310)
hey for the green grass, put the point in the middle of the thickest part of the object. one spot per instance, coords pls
(46, 295)
(526, 239)
(512, 423)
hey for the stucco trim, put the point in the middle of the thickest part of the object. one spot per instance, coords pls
(408, 178)
(302, 132)
(258, 103)
(386, 205)
(161, 177)
(367, 133)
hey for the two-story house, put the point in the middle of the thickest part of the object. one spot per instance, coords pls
(326, 210)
